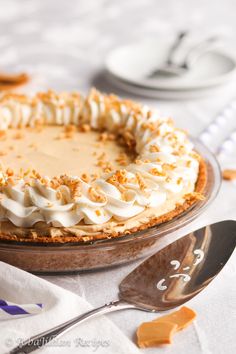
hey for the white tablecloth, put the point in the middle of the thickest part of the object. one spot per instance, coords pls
(63, 45)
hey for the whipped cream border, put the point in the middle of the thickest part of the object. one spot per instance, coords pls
(166, 164)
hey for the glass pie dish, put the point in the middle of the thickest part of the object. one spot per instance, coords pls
(81, 256)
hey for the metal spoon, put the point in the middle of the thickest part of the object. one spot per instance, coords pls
(169, 60)
(178, 41)
(194, 53)
(167, 279)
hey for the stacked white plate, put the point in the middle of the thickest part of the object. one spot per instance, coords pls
(129, 67)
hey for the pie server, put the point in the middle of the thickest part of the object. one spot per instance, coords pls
(164, 281)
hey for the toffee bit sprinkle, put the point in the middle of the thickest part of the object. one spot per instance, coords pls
(85, 177)
(85, 128)
(68, 135)
(179, 180)
(94, 176)
(129, 139)
(188, 163)
(102, 156)
(155, 172)
(27, 172)
(105, 165)
(122, 159)
(119, 177)
(168, 166)
(32, 145)
(105, 136)
(97, 145)
(10, 181)
(18, 136)
(154, 148)
(3, 134)
(96, 196)
(141, 181)
(98, 212)
(138, 162)
(9, 171)
(70, 128)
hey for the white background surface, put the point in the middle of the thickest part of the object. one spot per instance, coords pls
(63, 45)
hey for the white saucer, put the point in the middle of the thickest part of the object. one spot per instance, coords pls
(132, 64)
(164, 94)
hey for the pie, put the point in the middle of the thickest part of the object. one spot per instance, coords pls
(81, 169)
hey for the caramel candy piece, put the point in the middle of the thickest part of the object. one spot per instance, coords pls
(182, 318)
(9, 81)
(151, 334)
(161, 330)
(229, 175)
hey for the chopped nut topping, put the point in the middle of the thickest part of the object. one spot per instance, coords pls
(179, 180)
(26, 173)
(33, 146)
(154, 171)
(154, 148)
(106, 136)
(10, 181)
(102, 156)
(188, 163)
(104, 163)
(85, 128)
(96, 196)
(122, 159)
(9, 172)
(141, 181)
(68, 135)
(94, 176)
(2, 134)
(70, 128)
(138, 162)
(85, 177)
(195, 155)
(18, 135)
(168, 166)
(129, 139)
(119, 177)
(152, 126)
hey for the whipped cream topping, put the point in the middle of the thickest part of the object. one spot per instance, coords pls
(166, 163)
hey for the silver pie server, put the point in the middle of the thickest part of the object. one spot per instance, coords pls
(164, 281)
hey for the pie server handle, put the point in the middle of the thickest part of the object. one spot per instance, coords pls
(43, 338)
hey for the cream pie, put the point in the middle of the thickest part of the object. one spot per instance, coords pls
(81, 169)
